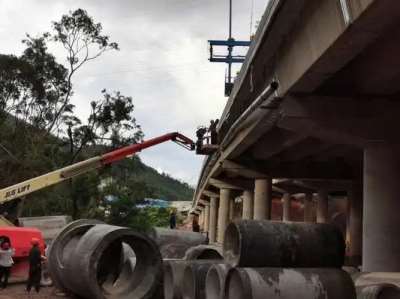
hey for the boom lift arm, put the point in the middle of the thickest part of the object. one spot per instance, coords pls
(57, 176)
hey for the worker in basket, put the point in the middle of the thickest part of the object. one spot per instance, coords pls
(6, 262)
(35, 266)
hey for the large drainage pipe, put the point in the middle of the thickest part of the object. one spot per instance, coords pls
(194, 279)
(96, 250)
(173, 276)
(279, 283)
(111, 262)
(263, 243)
(215, 281)
(62, 247)
(174, 243)
(204, 252)
(378, 291)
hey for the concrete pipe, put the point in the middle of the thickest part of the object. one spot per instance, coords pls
(204, 252)
(62, 246)
(263, 243)
(378, 291)
(173, 276)
(97, 258)
(194, 279)
(215, 281)
(279, 283)
(173, 243)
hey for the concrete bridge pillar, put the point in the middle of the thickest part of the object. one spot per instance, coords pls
(322, 206)
(354, 225)
(248, 201)
(201, 219)
(223, 213)
(308, 208)
(286, 200)
(207, 217)
(381, 218)
(262, 199)
(213, 219)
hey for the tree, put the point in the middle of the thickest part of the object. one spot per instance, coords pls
(83, 41)
(111, 122)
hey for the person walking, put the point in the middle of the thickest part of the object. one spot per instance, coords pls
(172, 220)
(195, 224)
(6, 262)
(35, 266)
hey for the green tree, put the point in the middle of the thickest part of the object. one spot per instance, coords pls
(83, 40)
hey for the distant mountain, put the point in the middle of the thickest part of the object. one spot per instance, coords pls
(165, 186)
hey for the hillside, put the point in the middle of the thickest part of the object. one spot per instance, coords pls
(164, 186)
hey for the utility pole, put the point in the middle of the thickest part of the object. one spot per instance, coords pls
(230, 43)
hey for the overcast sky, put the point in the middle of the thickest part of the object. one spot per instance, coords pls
(162, 63)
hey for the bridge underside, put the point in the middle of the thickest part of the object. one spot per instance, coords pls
(331, 129)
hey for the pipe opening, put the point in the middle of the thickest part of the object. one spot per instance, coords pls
(209, 254)
(213, 283)
(231, 246)
(69, 242)
(111, 273)
(189, 284)
(236, 287)
(388, 291)
(389, 294)
(168, 282)
(126, 268)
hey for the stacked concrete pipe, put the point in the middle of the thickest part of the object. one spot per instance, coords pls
(204, 252)
(288, 283)
(173, 276)
(378, 291)
(282, 260)
(377, 285)
(258, 243)
(62, 246)
(174, 243)
(101, 261)
(194, 279)
(215, 281)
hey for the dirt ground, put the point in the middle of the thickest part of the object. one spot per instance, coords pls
(17, 291)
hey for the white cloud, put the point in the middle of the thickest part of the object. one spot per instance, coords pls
(162, 63)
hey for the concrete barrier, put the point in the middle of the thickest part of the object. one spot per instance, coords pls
(263, 243)
(50, 226)
(279, 283)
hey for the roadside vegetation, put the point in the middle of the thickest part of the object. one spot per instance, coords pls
(40, 131)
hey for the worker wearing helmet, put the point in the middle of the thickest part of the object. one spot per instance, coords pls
(35, 266)
(6, 262)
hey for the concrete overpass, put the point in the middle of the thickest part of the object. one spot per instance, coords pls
(331, 126)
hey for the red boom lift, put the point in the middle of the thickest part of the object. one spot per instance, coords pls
(20, 237)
